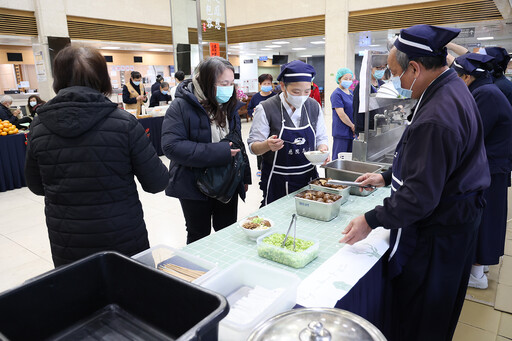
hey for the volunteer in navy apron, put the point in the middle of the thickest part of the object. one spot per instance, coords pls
(437, 181)
(496, 115)
(283, 129)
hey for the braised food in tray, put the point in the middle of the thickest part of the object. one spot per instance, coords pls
(319, 196)
(323, 182)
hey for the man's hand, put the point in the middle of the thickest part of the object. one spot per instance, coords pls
(358, 229)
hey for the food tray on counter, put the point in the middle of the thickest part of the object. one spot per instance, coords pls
(318, 210)
(283, 255)
(344, 191)
(177, 263)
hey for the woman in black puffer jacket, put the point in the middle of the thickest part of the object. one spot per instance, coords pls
(82, 155)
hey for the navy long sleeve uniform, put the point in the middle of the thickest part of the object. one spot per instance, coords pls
(505, 86)
(438, 176)
(126, 94)
(255, 100)
(157, 97)
(496, 114)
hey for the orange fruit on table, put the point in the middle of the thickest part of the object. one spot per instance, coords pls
(5, 129)
(16, 130)
(3, 133)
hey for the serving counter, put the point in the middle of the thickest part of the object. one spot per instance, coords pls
(339, 271)
(12, 161)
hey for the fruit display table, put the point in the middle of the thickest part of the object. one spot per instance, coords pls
(12, 162)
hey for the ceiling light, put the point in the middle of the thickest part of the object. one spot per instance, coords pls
(280, 42)
(266, 49)
(373, 45)
(272, 46)
(205, 43)
(318, 42)
(156, 50)
(306, 56)
(235, 46)
(110, 48)
(485, 38)
(298, 48)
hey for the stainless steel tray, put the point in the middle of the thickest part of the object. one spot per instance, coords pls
(317, 210)
(345, 192)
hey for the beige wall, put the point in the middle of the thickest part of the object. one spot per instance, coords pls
(148, 58)
(22, 5)
(28, 56)
(368, 4)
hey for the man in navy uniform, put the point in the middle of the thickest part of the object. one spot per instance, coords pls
(437, 180)
(500, 62)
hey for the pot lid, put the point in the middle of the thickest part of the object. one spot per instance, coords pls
(317, 324)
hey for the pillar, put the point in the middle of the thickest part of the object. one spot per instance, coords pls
(179, 24)
(51, 22)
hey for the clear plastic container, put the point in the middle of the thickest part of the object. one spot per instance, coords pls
(161, 255)
(238, 279)
(284, 256)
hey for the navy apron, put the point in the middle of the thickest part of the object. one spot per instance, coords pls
(291, 170)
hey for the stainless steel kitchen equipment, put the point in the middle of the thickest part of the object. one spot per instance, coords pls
(317, 324)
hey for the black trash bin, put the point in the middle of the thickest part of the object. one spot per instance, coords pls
(110, 296)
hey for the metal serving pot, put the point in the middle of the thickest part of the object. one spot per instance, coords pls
(317, 324)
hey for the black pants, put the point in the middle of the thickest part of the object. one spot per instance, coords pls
(199, 215)
(428, 295)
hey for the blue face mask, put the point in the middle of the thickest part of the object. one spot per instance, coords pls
(165, 92)
(378, 74)
(346, 84)
(136, 83)
(266, 88)
(397, 83)
(224, 93)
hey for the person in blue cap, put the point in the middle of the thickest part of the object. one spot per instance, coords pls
(496, 114)
(500, 62)
(343, 127)
(437, 181)
(283, 128)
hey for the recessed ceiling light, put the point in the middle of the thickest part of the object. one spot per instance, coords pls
(280, 42)
(156, 50)
(485, 38)
(272, 46)
(318, 42)
(110, 48)
(205, 42)
(266, 49)
(298, 48)
(373, 45)
(306, 56)
(235, 46)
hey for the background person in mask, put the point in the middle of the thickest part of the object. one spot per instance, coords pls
(343, 128)
(378, 70)
(284, 127)
(160, 95)
(34, 102)
(204, 111)
(134, 95)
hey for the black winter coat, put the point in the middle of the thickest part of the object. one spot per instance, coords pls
(186, 141)
(82, 156)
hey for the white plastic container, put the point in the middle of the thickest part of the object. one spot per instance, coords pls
(162, 254)
(238, 279)
(345, 156)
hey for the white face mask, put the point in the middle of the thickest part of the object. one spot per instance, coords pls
(33, 103)
(296, 101)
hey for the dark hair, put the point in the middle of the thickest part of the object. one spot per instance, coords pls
(430, 62)
(136, 75)
(81, 66)
(180, 75)
(159, 78)
(39, 102)
(209, 70)
(164, 84)
(264, 77)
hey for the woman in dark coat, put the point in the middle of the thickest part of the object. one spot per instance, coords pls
(83, 153)
(34, 102)
(202, 114)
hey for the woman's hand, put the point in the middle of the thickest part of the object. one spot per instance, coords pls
(324, 148)
(139, 98)
(275, 143)
(233, 151)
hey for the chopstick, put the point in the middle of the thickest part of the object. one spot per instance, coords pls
(181, 272)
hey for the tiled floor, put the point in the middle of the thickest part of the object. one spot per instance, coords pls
(25, 252)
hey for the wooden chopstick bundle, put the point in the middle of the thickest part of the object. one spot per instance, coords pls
(181, 272)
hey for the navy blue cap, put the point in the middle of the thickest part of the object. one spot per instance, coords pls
(472, 63)
(296, 71)
(425, 40)
(501, 56)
